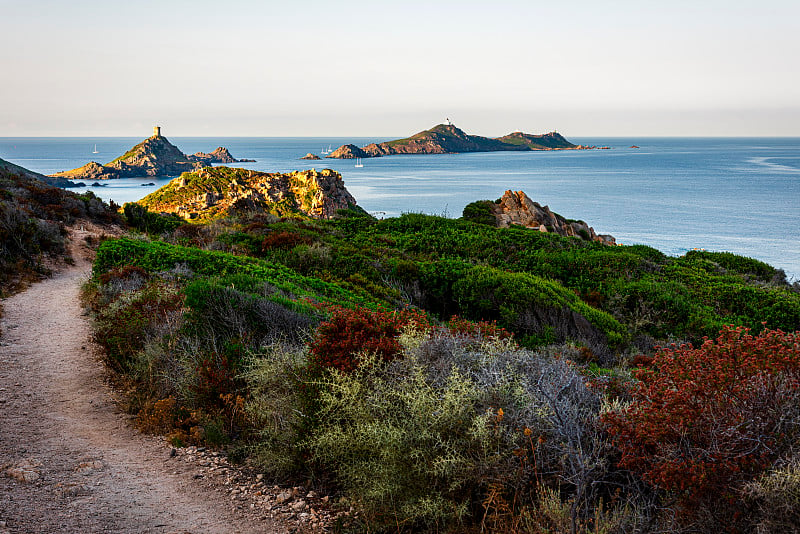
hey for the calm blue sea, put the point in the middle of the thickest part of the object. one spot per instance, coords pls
(725, 194)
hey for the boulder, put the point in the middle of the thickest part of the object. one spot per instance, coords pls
(516, 208)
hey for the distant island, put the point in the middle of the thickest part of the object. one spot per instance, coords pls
(155, 156)
(449, 139)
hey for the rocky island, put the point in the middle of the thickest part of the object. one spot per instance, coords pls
(516, 208)
(155, 156)
(449, 139)
(216, 191)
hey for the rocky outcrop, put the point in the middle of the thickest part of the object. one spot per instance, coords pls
(449, 139)
(217, 191)
(348, 152)
(219, 155)
(516, 208)
(311, 156)
(155, 156)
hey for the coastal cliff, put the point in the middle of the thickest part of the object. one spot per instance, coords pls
(516, 208)
(449, 139)
(217, 191)
(155, 156)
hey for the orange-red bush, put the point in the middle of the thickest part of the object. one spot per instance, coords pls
(704, 420)
(350, 331)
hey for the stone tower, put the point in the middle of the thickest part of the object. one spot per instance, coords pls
(157, 131)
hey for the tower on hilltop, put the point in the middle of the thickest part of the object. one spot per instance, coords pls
(157, 131)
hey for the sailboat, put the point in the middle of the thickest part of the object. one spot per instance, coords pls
(95, 149)
(324, 151)
(358, 162)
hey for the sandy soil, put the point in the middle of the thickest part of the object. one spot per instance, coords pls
(69, 461)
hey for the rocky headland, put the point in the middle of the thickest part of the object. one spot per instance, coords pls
(311, 156)
(449, 139)
(516, 208)
(7, 167)
(217, 191)
(155, 156)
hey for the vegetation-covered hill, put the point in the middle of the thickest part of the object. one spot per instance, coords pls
(33, 216)
(216, 191)
(451, 376)
(447, 139)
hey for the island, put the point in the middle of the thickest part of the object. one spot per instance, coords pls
(449, 139)
(155, 156)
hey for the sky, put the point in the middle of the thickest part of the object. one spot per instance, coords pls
(377, 68)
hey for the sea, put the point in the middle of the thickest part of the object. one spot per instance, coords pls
(740, 195)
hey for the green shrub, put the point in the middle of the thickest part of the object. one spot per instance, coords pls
(121, 327)
(420, 442)
(480, 212)
(140, 218)
(273, 377)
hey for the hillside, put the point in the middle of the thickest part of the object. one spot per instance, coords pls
(33, 220)
(448, 139)
(215, 191)
(378, 355)
(155, 156)
(7, 168)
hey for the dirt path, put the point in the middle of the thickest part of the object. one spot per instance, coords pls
(69, 462)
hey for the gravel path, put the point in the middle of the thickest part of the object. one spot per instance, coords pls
(69, 461)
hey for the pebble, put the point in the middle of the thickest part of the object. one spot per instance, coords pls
(248, 492)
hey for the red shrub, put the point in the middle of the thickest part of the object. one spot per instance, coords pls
(459, 325)
(284, 240)
(124, 272)
(349, 331)
(705, 420)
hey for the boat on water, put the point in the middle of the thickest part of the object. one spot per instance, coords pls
(323, 151)
(358, 162)
(95, 149)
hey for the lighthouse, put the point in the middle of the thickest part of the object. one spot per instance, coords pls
(156, 131)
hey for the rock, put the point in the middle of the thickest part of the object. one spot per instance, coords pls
(310, 156)
(283, 497)
(516, 208)
(25, 471)
(218, 155)
(299, 506)
(349, 152)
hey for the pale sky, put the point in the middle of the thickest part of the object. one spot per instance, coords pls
(374, 68)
